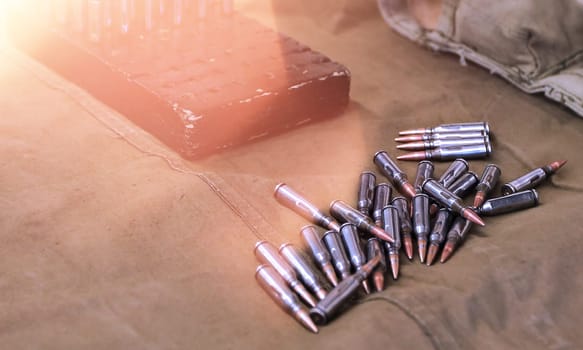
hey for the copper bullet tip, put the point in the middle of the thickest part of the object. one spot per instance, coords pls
(304, 318)
(330, 274)
(412, 132)
(321, 293)
(304, 294)
(422, 247)
(381, 234)
(556, 165)
(408, 243)
(379, 281)
(412, 156)
(431, 254)
(479, 199)
(412, 146)
(411, 138)
(408, 190)
(366, 286)
(433, 209)
(472, 216)
(394, 258)
(447, 250)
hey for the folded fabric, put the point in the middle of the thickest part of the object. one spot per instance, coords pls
(536, 45)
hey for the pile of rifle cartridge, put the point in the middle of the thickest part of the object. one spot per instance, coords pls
(353, 250)
(446, 142)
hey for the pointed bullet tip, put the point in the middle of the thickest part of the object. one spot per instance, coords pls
(411, 132)
(479, 199)
(472, 216)
(556, 165)
(330, 274)
(447, 250)
(395, 266)
(412, 156)
(379, 281)
(381, 234)
(305, 295)
(306, 321)
(431, 254)
(409, 190)
(408, 243)
(422, 246)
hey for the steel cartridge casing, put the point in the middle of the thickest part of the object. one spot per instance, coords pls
(489, 178)
(267, 253)
(464, 185)
(303, 268)
(392, 172)
(346, 213)
(312, 239)
(509, 203)
(404, 218)
(454, 127)
(332, 241)
(349, 235)
(339, 296)
(392, 226)
(301, 206)
(442, 195)
(277, 289)
(421, 215)
(424, 171)
(430, 144)
(382, 196)
(272, 283)
(525, 182)
(374, 248)
(459, 229)
(366, 192)
(456, 169)
(441, 226)
(321, 256)
(463, 127)
(442, 136)
(468, 152)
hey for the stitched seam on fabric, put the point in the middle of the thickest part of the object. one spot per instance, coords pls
(90, 105)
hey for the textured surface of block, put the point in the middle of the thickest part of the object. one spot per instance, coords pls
(200, 88)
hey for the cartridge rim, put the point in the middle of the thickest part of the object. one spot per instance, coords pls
(368, 172)
(327, 233)
(281, 247)
(307, 226)
(335, 201)
(278, 186)
(348, 224)
(488, 145)
(463, 161)
(487, 128)
(377, 153)
(260, 243)
(260, 267)
(536, 197)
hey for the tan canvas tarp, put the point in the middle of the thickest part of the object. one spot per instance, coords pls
(109, 240)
